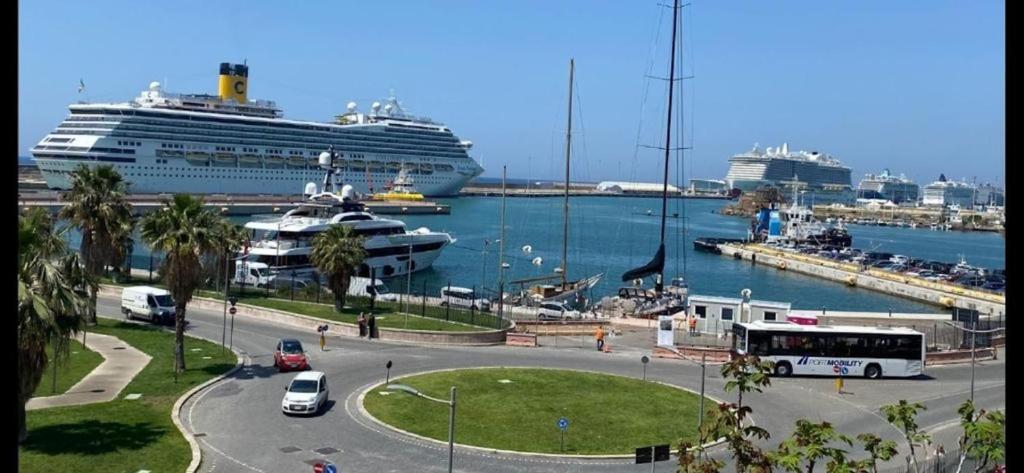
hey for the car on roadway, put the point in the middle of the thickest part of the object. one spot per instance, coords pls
(289, 355)
(306, 394)
(557, 311)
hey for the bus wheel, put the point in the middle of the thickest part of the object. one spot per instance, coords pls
(783, 369)
(873, 371)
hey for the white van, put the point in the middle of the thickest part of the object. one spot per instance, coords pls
(252, 274)
(362, 287)
(148, 303)
(462, 297)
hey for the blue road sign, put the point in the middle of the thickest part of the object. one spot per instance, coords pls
(330, 468)
(563, 423)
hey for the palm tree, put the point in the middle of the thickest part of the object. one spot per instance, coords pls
(98, 205)
(337, 252)
(53, 290)
(230, 238)
(185, 232)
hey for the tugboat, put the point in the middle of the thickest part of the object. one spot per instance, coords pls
(796, 224)
(401, 189)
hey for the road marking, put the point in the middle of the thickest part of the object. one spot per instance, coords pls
(229, 457)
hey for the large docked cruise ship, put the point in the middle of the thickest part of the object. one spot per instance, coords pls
(225, 143)
(822, 176)
(889, 187)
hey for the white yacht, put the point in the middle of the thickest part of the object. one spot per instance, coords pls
(285, 243)
(226, 143)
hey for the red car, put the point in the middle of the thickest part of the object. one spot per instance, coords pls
(289, 355)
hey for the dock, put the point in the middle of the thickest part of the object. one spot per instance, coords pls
(238, 205)
(936, 293)
(575, 191)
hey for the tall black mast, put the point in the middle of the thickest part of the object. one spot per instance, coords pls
(659, 283)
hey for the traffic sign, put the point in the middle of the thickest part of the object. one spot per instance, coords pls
(845, 370)
(644, 455)
(318, 467)
(232, 310)
(563, 424)
(644, 359)
(836, 369)
(661, 453)
(330, 468)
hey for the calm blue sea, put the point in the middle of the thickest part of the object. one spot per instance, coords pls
(613, 234)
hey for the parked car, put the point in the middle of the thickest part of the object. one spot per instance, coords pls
(306, 394)
(557, 311)
(994, 286)
(899, 259)
(463, 297)
(286, 282)
(148, 303)
(289, 355)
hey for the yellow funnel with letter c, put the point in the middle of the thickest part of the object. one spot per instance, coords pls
(234, 82)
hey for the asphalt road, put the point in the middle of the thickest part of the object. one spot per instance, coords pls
(240, 427)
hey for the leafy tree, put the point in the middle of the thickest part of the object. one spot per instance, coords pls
(98, 205)
(809, 445)
(748, 373)
(229, 239)
(336, 253)
(877, 448)
(184, 231)
(903, 415)
(53, 290)
(984, 436)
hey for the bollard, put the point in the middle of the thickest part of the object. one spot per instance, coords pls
(839, 385)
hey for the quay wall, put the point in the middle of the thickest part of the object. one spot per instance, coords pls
(944, 295)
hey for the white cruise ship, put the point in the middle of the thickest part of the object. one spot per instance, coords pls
(945, 193)
(889, 187)
(775, 166)
(225, 143)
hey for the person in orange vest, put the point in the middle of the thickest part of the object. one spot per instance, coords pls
(693, 325)
(599, 336)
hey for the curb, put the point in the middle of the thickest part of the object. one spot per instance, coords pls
(197, 453)
(363, 411)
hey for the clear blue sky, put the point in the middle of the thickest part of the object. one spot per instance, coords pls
(916, 86)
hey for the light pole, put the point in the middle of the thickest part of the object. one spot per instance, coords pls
(974, 336)
(451, 414)
(703, 370)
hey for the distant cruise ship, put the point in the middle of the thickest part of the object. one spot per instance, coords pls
(944, 192)
(889, 187)
(162, 142)
(824, 177)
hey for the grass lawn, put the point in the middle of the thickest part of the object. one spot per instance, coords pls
(80, 362)
(607, 414)
(121, 435)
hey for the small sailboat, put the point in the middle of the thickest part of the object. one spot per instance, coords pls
(566, 291)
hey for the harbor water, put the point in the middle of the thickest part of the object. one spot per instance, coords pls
(611, 235)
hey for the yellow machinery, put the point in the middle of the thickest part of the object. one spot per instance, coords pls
(234, 82)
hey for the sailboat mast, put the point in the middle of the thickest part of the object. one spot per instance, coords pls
(565, 216)
(501, 250)
(668, 141)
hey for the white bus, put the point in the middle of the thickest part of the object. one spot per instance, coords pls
(837, 350)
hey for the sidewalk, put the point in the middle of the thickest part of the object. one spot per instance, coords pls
(121, 362)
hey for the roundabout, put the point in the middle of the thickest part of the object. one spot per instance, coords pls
(517, 410)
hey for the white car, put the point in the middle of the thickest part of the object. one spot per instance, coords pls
(306, 394)
(557, 311)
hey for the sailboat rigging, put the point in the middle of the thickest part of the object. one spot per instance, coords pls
(656, 266)
(566, 291)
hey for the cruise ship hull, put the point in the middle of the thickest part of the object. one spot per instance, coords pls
(146, 177)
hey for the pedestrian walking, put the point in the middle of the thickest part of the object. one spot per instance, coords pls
(599, 337)
(693, 325)
(372, 324)
(362, 324)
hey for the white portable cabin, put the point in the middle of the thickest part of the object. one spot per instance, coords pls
(716, 314)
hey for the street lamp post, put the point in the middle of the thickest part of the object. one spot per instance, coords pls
(703, 370)
(451, 414)
(974, 337)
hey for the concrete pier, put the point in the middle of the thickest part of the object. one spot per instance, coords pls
(940, 294)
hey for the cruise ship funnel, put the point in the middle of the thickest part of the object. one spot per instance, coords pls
(234, 82)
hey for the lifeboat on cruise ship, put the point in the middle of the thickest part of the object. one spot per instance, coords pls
(198, 157)
(224, 158)
(249, 160)
(426, 168)
(273, 160)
